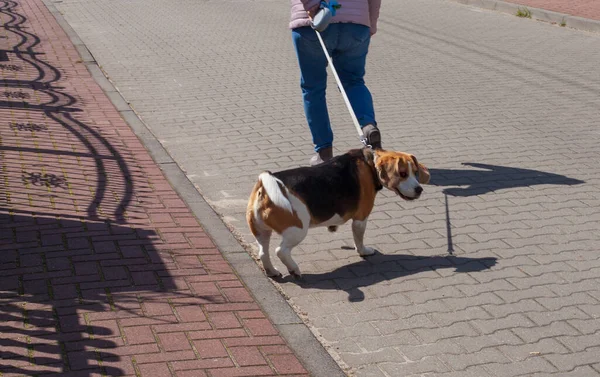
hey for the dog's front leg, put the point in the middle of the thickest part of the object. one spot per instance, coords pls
(358, 231)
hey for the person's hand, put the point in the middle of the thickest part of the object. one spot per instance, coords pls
(313, 11)
(373, 27)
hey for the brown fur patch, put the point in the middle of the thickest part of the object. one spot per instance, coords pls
(368, 192)
(250, 209)
(279, 219)
(276, 218)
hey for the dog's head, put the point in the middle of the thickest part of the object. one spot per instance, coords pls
(401, 172)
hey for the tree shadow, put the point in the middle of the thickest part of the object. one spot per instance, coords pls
(493, 178)
(65, 282)
(34, 342)
(29, 81)
(380, 267)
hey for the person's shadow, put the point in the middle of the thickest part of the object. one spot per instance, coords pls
(380, 267)
(493, 178)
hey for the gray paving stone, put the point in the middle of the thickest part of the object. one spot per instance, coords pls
(522, 368)
(541, 348)
(422, 297)
(568, 313)
(469, 314)
(585, 326)
(370, 371)
(460, 329)
(463, 361)
(422, 350)
(569, 362)
(528, 293)
(467, 302)
(398, 338)
(380, 356)
(489, 326)
(405, 311)
(478, 343)
(542, 280)
(416, 322)
(475, 371)
(505, 273)
(336, 334)
(591, 310)
(376, 314)
(554, 329)
(495, 286)
(580, 342)
(560, 302)
(426, 365)
(583, 371)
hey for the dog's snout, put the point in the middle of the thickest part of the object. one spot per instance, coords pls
(418, 190)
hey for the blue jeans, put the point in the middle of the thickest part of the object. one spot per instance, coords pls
(348, 45)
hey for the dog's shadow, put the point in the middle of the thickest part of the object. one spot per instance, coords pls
(493, 178)
(380, 267)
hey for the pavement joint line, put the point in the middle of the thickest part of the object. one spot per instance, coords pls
(571, 22)
(299, 337)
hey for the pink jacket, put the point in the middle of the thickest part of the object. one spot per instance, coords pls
(364, 12)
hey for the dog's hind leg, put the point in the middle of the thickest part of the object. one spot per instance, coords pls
(263, 238)
(291, 237)
(262, 233)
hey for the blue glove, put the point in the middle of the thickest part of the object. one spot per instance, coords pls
(333, 6)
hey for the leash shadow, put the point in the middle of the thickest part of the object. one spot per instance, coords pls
(493, 178)
(380, 268)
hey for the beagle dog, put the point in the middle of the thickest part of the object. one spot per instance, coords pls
(290, 202)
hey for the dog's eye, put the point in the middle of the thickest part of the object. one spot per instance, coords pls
(403, 175)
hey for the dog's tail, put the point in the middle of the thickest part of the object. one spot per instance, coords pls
(276, 191)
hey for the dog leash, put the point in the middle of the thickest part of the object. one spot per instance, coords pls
(319, 24)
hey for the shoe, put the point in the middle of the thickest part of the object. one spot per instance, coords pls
(373, 136)
(324, 154)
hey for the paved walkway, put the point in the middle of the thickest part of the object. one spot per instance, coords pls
(579, 8)
(503, 110)
(104, 271)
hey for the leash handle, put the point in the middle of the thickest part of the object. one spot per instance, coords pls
(327, 11)
(362, 137)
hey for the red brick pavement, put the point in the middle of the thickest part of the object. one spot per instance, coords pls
(103, 269)
(579, 8)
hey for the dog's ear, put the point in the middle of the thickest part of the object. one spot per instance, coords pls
(423, 175)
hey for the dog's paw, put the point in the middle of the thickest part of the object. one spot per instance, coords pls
(274, 273)
(366, 251)
(296, 274)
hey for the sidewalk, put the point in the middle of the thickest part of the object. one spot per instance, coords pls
(579, 8)
(103, 268)
(576, 14)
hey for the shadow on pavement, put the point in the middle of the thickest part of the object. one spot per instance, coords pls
(30, 87)
(65, 282)
(493, 178)
(380, 267)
